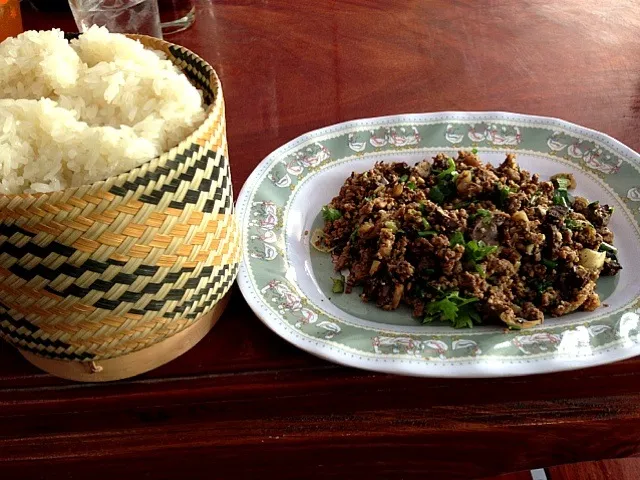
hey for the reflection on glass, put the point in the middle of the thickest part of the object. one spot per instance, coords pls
(120, 16)
(176, 15)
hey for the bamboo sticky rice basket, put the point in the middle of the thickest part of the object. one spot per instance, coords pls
(111, 279)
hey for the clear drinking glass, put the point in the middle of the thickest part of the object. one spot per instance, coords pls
(176, 15)
(120, 16)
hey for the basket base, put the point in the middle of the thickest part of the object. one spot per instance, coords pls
(134, 363)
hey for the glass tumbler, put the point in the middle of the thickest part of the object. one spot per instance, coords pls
(119, 16)
(176, 15)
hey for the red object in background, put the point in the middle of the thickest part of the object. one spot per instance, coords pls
(10, 18)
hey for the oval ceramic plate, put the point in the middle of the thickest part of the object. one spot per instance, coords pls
(288, 284)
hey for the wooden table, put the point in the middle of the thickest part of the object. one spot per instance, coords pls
(244, 403)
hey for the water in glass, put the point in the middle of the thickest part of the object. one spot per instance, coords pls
(121, 16)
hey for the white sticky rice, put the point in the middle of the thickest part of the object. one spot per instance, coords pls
(74, 113)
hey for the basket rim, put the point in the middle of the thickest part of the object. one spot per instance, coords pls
(153, 162)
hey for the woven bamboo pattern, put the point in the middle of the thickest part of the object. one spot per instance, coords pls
(106, 269)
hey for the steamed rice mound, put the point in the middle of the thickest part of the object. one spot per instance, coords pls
(72, 113)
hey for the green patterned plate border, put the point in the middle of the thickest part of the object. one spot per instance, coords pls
(277, 281)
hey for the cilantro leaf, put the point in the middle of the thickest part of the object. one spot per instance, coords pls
(427, 233)
(550, 264)
(411, 185)
(444, 309)
(477, 250)
(474, 150)
(455, 309)
(403, 178)
(330, 214)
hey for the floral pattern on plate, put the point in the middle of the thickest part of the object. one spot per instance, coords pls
(285, 283)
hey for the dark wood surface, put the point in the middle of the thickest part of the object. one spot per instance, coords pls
(526, 475)
(620, 469)
(244, 403)
(628, 469)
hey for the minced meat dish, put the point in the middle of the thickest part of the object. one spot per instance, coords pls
(465, 242)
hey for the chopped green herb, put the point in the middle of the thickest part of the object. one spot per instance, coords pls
(436, 194)
(449, 170)
(445, 187)
(368, 199)
(477, 250)
(550, 264)
(572, 224)
(561, 195)
(562, 198)
(403, 178)
(338, 285)
(481, 213)
(330, 214)
(411, 185)
(474, 150)
(455, 309)
(607, 247)
(481, 271)
(427, 233)
(502, 193)
(425, 224)
(456, 239)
